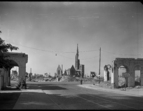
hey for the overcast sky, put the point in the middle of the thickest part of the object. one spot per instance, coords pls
(50, 31)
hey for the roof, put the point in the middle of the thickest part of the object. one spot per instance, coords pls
(15, 53)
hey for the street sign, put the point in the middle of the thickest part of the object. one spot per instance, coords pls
(126, 75)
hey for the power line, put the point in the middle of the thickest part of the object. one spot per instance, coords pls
(115, 54)
(49, 50)
(65, 56)
(32, 47)
(60, 52)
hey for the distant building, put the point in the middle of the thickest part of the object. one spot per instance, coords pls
(72, 71)
(78, 69)
(65, 73)
(59, 71)
(81, 70)
(92, 74)
(14, 74)
(68, 72)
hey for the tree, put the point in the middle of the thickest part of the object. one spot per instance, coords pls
(4, 48)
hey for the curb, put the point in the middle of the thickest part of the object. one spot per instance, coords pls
(23, 90)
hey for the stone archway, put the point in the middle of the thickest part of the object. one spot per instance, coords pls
(137, 75)
(20, 60)
(131, 63)
(12, 64)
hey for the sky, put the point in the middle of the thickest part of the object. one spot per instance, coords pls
(48, 32)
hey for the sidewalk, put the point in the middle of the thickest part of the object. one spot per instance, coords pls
(129, 92)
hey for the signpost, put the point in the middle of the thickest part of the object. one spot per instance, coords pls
(126, 75)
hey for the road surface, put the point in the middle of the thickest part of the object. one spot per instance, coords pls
(60, 95)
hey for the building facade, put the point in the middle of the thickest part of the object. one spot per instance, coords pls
(59, 71)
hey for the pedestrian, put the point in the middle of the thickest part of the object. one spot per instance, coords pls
(23, 84)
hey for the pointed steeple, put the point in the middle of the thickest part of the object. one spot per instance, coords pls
(77, 50)
(76, 59)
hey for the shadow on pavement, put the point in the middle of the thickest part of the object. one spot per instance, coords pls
(71, 101)
(45, 87)
(116, 102)
(8, 100)
(83, 101)
(74, 99)
(10, 89)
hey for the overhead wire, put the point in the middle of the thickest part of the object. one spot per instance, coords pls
(62, 52)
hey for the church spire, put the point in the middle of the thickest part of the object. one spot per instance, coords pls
(77, 62)
(77, 50)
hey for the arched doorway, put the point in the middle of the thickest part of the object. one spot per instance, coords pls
(19, 60)
(14, 74)
(12, 64)
(137, 75)
(121, 80)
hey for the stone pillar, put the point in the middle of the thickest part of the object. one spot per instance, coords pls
(112, 77)
(108, 75)
(1, 78)
(22, 72)
(105, 75)
(5, 77)
(141, 76)
(131, 79)
(1, 82)
(9, 77)
(115, 77)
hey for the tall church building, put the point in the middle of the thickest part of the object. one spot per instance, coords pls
(78, 70)
(77, 61)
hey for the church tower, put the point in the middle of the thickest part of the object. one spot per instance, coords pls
(77, 62)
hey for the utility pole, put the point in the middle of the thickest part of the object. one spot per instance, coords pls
(99, 63)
